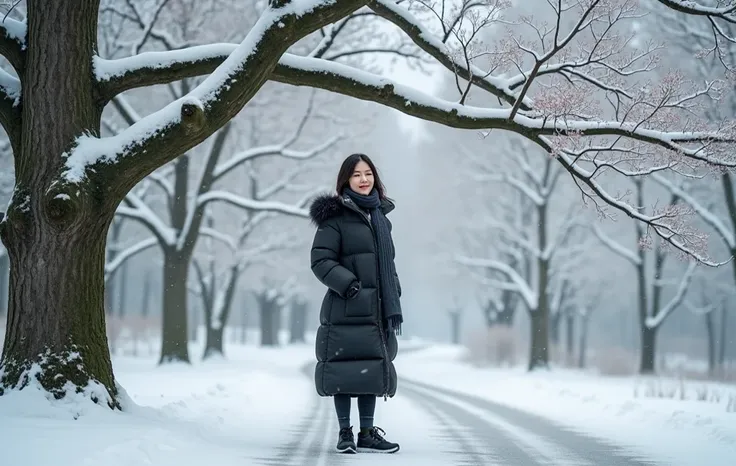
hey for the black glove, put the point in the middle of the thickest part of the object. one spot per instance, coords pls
(353, 290)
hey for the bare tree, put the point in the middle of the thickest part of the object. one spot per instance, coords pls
(69, 180)
(536, 181)
(217, 287)
(653, 311)
(713, 308)
(271, 302)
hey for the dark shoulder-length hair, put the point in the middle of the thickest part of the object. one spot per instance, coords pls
(348, 167)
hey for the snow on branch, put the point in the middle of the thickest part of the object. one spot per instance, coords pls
(517, 283)
(345, 80)
(708, 217)
(112, 266)
(252, 204)
(283, 149)
(10, 108)
(667, 223)
(135, 208)
(181, 125)
(438, 49)
(13, 42)
(654, 321)
(726, 11)
(616, 247)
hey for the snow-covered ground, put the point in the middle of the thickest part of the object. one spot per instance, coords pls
(257, 407)
(647, 415)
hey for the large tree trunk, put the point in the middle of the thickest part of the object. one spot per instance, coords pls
(55, 232)
(174, 336)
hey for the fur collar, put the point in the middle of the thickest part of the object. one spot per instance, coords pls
(327, 206)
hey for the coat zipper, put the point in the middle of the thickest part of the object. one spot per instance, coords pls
(384, 348)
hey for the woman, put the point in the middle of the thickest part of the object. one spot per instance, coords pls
(353, 255)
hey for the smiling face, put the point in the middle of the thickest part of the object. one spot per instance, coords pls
(361, 181)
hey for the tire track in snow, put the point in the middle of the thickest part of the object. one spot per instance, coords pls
(553, 443)
(289, 453)
(455, 432)
(482, 444)
(316, 448)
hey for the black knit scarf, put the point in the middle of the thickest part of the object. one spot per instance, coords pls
(389, 287)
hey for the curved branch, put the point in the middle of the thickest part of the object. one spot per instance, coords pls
(112, 266)
(162, 136)
(13, 43)
(10, 108)
(251, 204)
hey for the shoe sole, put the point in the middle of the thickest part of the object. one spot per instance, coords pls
(348, 450)
(373, 450)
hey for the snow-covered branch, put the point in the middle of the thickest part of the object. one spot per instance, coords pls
(135, 208)
(10, 108)
(13, 42)
(655, 319)
(437, 48)
(281, 150)
(704, 212)
(181, 125)
(615, 247)
(112, 266)
(252, 204)
(725, 11)
(517, 283)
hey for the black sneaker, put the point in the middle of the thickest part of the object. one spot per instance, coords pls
(346, 441)
(375, 443)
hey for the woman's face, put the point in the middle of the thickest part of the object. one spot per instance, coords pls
(362, 179)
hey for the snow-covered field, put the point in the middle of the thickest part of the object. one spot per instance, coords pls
(246, 409)
(626, 410)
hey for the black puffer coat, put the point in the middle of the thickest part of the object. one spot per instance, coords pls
(354, 349)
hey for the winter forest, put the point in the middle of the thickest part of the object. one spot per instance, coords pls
(565, 227)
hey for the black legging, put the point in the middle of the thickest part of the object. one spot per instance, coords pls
(366, 410)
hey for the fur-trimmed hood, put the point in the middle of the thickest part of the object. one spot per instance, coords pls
(327, 206)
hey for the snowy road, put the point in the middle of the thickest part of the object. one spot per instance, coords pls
(441, 427)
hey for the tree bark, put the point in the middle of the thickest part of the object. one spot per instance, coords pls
(539, 338)
(647, 361)
(174, 336)
(4, 272)
(54, 232)
(213, 346)
(711, 339)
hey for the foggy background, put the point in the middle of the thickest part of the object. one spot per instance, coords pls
(445, 210)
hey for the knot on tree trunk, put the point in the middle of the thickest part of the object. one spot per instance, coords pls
(278, 3)
(62, 203)
(386, 91)
(192, 116)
